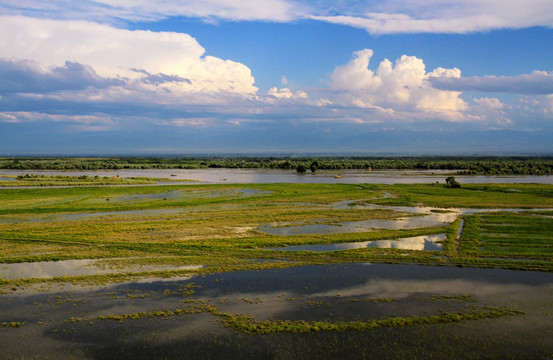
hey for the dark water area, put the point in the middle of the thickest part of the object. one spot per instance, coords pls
(333, 293)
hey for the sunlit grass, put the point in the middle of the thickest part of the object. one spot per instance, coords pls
(217, 225)
(510, 235)
(472, 195)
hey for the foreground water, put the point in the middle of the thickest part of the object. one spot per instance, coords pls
(261, 176)
(66, 323)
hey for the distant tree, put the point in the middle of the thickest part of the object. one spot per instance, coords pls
(450, 182)
(301, 168)
(314, 166)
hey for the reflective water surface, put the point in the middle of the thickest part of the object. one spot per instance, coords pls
(425, 242)
(260, 176)
(411, 222)
(52, 269)
(65, 325)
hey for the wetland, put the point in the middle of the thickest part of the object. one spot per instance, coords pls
(277, 270)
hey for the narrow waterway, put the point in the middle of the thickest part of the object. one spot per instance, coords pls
(421, 243)
(264, 176)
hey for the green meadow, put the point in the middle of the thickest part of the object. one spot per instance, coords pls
(218, 226)
(125, 270)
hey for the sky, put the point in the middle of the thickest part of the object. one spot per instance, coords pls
(177, 77)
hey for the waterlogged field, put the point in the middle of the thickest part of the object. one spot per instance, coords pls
(199, 271)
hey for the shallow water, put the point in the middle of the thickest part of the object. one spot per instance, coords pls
(175, 194)
(423, 243)
(260, 176)
(411, 222)
(94, 215)
(352, 292)
(51, 269)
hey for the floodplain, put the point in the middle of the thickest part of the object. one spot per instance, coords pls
(199, 271)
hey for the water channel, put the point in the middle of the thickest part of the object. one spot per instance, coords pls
(425, 243)
(264, 176)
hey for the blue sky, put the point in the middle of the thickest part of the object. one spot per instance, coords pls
(276, 76)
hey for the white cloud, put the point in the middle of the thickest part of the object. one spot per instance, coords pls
(131, 55)
(490, 103)
(276, 10)
(491, 111)
(85, 66)
(285, 93)
(537, 82)
(9, 118)
(78, 122)
(377, 23)
(402, 85)
(151, 10)
(377, 17)
(403, 91)
(540, 106)
(191, 122)
(440, 16)
(548, 104)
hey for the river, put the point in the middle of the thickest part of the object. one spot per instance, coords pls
(264, 176)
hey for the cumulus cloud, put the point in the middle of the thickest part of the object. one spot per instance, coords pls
(490, 103)
(538, 107)
(403, 85)
(118, 53)
(404, 91)
(285, 93)
(537, 82)
(491, 111)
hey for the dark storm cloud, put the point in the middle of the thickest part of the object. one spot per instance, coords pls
(27, 76)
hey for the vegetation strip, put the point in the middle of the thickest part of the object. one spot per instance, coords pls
(13, 324)
(81, 180)
(248, 324)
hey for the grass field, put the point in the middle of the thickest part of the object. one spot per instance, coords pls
(217, 226)
(162, 271)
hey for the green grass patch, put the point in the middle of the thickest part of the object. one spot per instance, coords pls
(249, 325)
(216, 226)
